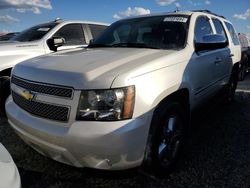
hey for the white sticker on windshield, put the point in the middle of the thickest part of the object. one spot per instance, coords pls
(43, 29)
(175, 19)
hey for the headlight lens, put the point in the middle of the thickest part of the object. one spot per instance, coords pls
(106, 105)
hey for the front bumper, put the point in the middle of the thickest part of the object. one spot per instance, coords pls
(103, 145)
(8, 171)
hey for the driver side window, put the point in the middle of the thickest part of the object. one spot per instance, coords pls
(72, 33)
(202, 28)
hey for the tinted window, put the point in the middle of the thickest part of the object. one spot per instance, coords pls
(202, 28)
(162, 32)
(96, 30)
(233, 34)
(121, 35)
(34, 33)
(72, 33)
(219, 27)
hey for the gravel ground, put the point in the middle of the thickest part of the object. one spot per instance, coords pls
(217, 155)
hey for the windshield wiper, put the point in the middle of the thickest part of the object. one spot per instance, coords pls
(96, 45)
(122, 44)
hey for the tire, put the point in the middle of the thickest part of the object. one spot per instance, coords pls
(4, 93)
(166, 138)
(242, 73)
(230, 88)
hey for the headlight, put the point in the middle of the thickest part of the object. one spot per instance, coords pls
(106, 105)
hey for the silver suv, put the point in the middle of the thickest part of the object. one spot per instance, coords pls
(126, 99)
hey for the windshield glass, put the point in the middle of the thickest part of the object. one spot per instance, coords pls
(158, 32)
(34, 33)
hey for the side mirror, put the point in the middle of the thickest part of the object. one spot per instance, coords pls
(211, 42)
(55, 42)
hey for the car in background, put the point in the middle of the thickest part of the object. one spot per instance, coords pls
(248, 52)
(9, 175)
(8, 36)
(43, 39)
(245, 55)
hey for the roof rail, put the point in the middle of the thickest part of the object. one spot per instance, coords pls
(209, 12)
(58, 20)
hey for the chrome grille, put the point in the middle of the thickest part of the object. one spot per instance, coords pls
(48, 111)
(42, 88)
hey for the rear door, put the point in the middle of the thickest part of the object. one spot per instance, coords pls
(202, 63)
(223, 63)
(234, 43)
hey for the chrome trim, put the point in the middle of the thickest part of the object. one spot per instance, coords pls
(46, 84)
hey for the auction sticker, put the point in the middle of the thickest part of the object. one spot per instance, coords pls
(175, 19)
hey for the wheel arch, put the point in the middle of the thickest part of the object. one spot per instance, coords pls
(181, 95)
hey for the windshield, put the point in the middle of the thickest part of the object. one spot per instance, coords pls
(34, 33)
(158, 32)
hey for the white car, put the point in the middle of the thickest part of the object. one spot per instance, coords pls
(126, 99)
(9, 175)
(43, 39)
(34, 41)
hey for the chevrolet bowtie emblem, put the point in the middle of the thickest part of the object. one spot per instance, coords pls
(27, 95)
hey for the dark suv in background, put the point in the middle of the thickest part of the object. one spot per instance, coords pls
(245, 55)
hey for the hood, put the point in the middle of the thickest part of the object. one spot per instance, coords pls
(12, 52)
(88, 68)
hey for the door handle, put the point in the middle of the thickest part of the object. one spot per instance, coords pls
(217, 61)
(231, 55)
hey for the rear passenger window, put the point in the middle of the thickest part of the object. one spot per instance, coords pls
(202, 28)
(219, 27)
(96, 29)
(72, 33)
(233, 34)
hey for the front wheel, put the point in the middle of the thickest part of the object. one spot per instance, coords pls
(166, 137)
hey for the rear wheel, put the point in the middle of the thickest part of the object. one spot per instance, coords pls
(166, 137)
(242, 72)
(4, 93)
(230, 88)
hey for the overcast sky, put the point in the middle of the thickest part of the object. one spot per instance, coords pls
(17, 15)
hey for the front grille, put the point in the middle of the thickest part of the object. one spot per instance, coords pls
(42, 88)
(48, 111)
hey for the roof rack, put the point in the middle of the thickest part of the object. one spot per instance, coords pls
(209, 12)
